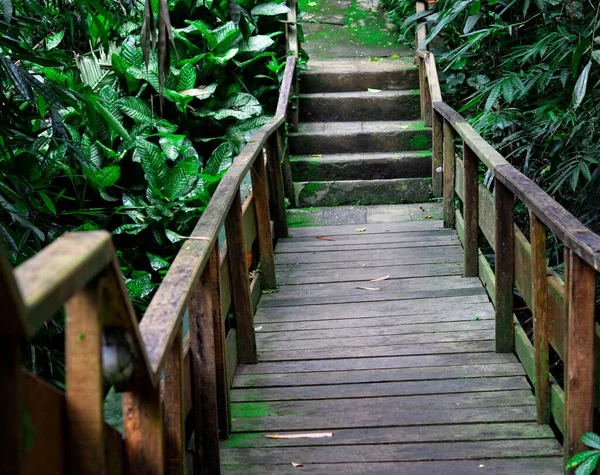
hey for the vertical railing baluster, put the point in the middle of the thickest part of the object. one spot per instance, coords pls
(85, 392)
(240, 284)
(12, 451)
(143, 425)
(540, 318)
(284, 153)
(470, 201)
(174, 418)
(437, 155)
(449, 172)
(278, 212)
(263, 223)
(505, 265)
(202, 307)
(580, 285)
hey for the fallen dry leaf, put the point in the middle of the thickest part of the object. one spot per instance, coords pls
(295, 464)
(361, 230)
(326, 238)
(429, 217)
(368, 288)
(379, 279)
(308, 435)
(257, 329)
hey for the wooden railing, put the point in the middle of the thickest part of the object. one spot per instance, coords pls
(563, 309)
(175, 385)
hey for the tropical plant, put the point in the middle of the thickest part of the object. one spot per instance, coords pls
(585, 463)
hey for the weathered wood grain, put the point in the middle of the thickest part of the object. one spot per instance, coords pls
(428, 241)
(449, 165)
(12, 453)
(277, 195)
(437, 157)
(174, 417)
(505, 268)
(85, 392)
(540, 318)
(470, 208)
(377, 228)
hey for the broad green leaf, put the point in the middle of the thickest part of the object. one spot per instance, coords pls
(180, 179)
(131, 53)
(471, 22)
(579, 458)
(157, 262)
(201, 92)
(187, 78)
(137, 109)
(581, 86)
(205, 31)
(493, 97)
(170, 145)
(153, 162)
(239, 134)
(257, 44)
(140, 285)
(101, 178)
(587, 467)
(590, 439)
(220, 160)
(53, 40)
(110, 119)
(270, 9)
(47, 201)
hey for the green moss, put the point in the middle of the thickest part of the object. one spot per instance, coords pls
(428, 180)
(237, 441)
(420, 142)
(251, 409)
(311, 189)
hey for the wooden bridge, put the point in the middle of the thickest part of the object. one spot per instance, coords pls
(385, 345)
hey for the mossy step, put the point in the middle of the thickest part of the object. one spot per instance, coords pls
(359, 75)
(362, 192)
(373, 104)
(358, 137)
(361, 166)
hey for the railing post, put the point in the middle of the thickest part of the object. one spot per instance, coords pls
(470, 202)
(580, 285)
(277, 196)
(174, 418)
(143, 424)
(284, 153)
(263, 223)
(449, 171)
(505, 265)
(540, 318)
(240, 284)
(202, 307)
(426, 109)
(85, 393)
(437, 155)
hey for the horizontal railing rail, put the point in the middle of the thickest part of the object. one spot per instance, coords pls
(563, 309)
(163, 372)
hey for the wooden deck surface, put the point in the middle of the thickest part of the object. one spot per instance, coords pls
(405, 377)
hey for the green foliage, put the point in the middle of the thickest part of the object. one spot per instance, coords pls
(526, 76)
(585, 462)
(88, 142)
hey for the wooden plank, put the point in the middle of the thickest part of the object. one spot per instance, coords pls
(264, 336)
(85, 391)
(505, 268)
(174, 417)
(203, 306)
(395, 453)
(460, 227)
(488, 279)
(285, 244)
(540, 318)
(378, 375)
(286, 167)
(471, 305)
(48, 279)
(388, 416)
(371, 296)
(356, 324)
(375, 351)
(379, 340)
(580, 279)
(368, 391)
(240, 285)
(365, 274)
(470, 206)
(402, 435)
(537, 465)
(333, 246)
(486, 216)
(277, 197)
(231, 352)
(263, 224)
(426, 255)
(460, 178)
(449, 158)
(350, 364)
(377, 228)
(437, 157)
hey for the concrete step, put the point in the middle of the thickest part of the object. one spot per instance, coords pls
(362, 192)
(358, 74)
(361, 166)
(357, 137)
(360, 105)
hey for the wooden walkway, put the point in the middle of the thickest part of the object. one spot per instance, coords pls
(402, 371)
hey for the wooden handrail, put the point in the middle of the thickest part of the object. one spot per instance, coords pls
(563, 313)
(80, 271)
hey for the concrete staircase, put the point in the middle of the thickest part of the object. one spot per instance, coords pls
(360, 138)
